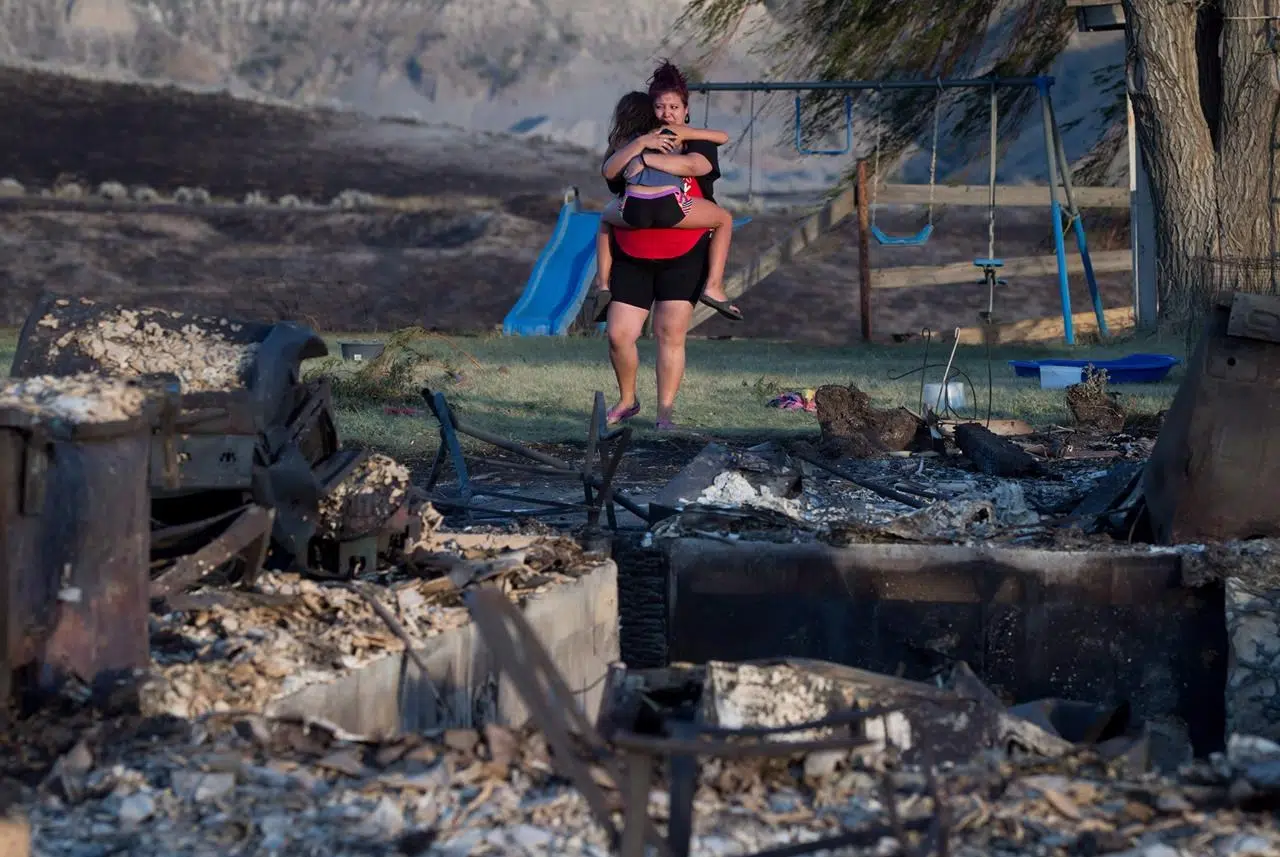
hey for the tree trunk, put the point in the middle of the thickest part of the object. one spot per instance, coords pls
(1212, 185)
(1246, 164)
(1164, 85)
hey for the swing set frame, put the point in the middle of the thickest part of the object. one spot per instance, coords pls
(1055, 158)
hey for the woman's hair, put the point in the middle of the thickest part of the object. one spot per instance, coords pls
(632, 117)
(668, 78)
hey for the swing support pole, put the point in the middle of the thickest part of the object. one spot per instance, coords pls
(1055, 210)
(1077, 222)
(864, 252)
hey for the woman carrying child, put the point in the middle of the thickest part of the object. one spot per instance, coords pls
(660, 268)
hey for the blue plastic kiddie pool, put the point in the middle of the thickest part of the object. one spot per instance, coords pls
(1133, 369)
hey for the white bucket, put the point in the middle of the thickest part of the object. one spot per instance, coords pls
(1059, 377)
(954, 396)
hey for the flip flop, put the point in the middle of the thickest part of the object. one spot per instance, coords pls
(665, 425)
(600, 306)
(616, 415)
(725, 308)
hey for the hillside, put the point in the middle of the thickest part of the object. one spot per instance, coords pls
(546, 68)
(168, 136)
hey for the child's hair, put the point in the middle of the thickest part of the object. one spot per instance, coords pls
(632, 117)
(668, 78)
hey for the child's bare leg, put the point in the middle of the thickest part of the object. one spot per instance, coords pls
(612, 214)
(604, 257)
(707, 215)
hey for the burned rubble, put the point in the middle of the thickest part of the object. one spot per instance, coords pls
(193, 540)
(910, 635)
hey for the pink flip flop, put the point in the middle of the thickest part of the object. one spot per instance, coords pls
(618, 414)
(665, 425)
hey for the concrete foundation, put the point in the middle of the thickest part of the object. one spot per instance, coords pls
(1098, 626)
(577, 622)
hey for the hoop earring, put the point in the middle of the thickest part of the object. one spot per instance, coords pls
(686, 118)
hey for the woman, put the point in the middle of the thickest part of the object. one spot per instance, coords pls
(659, 270)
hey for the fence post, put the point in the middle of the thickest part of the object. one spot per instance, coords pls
(864, 252)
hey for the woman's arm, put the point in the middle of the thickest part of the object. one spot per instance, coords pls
(679, 165)
(707, 135)
(619, 159)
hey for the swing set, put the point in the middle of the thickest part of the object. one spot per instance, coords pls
(1055, 154)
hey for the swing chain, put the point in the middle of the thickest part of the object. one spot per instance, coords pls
(751, 149)
(933, 156)
(991, 202)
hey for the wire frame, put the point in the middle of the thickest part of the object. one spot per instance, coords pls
(1212, 275)
(1238, 274)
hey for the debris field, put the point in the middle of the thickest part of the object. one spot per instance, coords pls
(306, 562)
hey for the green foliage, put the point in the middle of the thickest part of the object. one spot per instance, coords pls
(896, 40)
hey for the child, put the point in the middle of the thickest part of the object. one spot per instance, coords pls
(655, 199)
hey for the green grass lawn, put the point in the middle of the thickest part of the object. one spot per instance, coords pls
(540, 388)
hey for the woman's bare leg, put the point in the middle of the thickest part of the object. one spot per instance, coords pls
(708, 215)
(671, 328)
(626, 323)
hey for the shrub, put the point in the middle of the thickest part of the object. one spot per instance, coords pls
(113, 191)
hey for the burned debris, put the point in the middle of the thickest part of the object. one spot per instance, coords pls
(909, 635)
(1093, 405)
(243, 427)
(851, 428)
(169, 477)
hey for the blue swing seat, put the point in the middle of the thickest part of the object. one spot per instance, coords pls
(902, 240)
(988, 263)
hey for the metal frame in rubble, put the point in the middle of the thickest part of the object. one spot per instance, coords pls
(599, 494)
(576, 747)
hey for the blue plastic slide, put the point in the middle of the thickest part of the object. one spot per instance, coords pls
(561, 278)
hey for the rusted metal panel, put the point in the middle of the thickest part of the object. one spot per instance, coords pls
(1102, 626)
(75, 571)
(206, 462)
(1255, 316)
(1214, 473)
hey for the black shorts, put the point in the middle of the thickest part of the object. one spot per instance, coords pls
(662, 210)
(641, 282)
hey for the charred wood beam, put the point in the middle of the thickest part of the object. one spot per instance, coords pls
(995, 455)
(248, 537)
